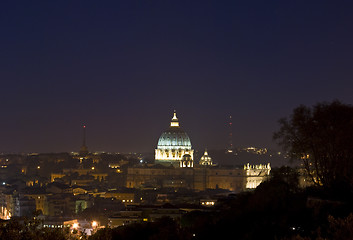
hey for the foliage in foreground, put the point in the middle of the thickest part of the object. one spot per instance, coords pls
(30, 230)
(164, 228)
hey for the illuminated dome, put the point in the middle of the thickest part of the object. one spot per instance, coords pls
(173, 144)
(174, 138)
(205, 159)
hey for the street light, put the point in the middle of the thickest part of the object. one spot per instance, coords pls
(94, 224)
(75, 225)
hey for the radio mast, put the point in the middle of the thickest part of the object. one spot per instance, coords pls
(230, 136)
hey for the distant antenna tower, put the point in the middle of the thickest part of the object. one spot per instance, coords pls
(84, 149)
(230, 136)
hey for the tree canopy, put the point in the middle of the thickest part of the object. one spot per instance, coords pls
(322, 138)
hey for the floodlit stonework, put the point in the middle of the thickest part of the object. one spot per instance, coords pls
(173, 144)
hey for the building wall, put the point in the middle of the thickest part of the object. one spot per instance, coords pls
(60, 205)
(198, 178)
(81, 205)
(231, 179)
(56, 175)
(100, 176)
(126, 198)
(23, 206)
(139, 176)
(256, 174)
(40, 201)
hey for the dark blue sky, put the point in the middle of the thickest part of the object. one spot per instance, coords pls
(122, 67)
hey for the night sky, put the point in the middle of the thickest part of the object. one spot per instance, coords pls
(122, 67)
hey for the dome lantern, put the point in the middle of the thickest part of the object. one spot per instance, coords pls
(175, 121)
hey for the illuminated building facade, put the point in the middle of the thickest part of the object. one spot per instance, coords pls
(174, 148)
(198, 178)
(173, 144)
(256, 174)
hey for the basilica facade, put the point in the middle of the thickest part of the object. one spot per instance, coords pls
(175, 167)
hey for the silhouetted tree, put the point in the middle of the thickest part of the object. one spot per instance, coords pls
(322, 137)
(341, 228)
(163, 228)
(31, 230)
